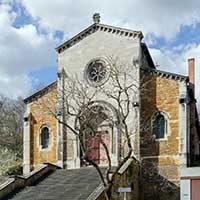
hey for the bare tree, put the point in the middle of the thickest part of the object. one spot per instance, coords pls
(11, 124)
(156, 186)
(80, 113)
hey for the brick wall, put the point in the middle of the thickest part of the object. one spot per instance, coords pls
(160, 158)
(41, 114)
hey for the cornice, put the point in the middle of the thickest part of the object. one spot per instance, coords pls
(39, 93)
(164, 74)
(99, 27)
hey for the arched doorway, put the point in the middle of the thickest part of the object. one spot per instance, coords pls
(99, 129)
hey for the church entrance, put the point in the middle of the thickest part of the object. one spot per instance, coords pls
(99, 135)
(95, 147)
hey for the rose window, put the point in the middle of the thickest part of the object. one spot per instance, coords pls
(97, 72)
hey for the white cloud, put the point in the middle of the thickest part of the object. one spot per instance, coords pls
(176, 60)
(21, 49)
(162, 18)
(16, 85)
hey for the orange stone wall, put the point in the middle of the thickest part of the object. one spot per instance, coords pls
(41, 114)
(160, 157)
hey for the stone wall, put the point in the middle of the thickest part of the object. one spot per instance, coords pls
(160, 157)
(41, 110)
(129, 179)
(114, 49)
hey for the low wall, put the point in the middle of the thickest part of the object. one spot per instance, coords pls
(18, 182)
(127, 178)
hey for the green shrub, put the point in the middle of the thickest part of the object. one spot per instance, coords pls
(14, 170)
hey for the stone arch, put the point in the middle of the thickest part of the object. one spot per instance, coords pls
(165, 116)
(42, 137)
(108, 123)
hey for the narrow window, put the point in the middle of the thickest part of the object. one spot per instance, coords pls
(44, 137)
(159, 126)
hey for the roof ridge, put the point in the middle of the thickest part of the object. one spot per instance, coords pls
(93, 28)
(32, 96)
(120, 28)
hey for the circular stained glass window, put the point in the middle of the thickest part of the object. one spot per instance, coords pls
(97, 72)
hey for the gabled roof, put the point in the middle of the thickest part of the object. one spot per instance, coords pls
(98, 27)
(40, 92)
(165, 74)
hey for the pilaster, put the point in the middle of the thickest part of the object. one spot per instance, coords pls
(26, 141)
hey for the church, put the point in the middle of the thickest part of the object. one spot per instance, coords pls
(128, 101)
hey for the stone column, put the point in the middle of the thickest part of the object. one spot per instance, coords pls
(60, 90)
(136, 104)
(76, 144)
(183, 124)
(59, 146)
(26, 141)
(116, 141)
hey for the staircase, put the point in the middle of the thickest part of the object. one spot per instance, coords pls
(76, 184)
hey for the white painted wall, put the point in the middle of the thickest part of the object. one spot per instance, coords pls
(104, 45)
(183, 123)
(187, 174)
(26, 142)
(190, 172)
(98, 44)
(185, 189)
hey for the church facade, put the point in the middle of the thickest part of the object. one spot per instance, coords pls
(163, 120)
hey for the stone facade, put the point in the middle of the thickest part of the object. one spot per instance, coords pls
(41, 114)
(156, 92)
(160, 156)
(129, 178)
(105, 43)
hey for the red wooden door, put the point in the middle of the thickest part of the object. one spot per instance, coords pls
(103, 159)
(195, 189)
(92, 148)
(95, 150)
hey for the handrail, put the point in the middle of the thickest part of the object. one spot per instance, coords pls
(96, 193)
(17, 182)
(7, 182)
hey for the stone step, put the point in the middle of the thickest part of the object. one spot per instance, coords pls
(76, 184)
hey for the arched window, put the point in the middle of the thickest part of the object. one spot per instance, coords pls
(159, 126)
(44, 137)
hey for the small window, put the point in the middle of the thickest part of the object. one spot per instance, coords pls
(159, 126)
(44, 137)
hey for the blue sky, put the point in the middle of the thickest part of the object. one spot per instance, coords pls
(30, 31)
